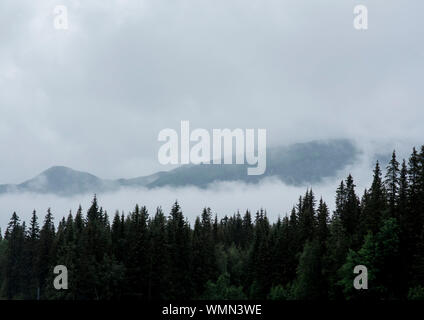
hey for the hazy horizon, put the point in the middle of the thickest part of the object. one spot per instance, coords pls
(95, 96)
(123, 71)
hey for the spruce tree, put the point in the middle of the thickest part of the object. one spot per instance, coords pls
(13, 284)
(31, 245)
(138, 252)
(322, 229)
(159, 262)
(392, 185)
(376, 202)
(44, 258)
(179, 240)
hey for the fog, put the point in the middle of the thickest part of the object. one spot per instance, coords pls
(226, 198)
(95, 96)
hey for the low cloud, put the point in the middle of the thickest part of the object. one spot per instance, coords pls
(224, 198)
(95, 97)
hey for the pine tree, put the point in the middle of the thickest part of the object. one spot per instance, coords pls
(406, 226)
(159, 263)
(259, 264)
(96, 251)
(412, 222)
(340, 199)
(376, 202)
(31, 245)
(337, 249)
(348, 209)
(247, 230)
(282, 257)
(309, 282)
(306, 217)
(204, 260)
(12, 284)
(418, 255)
(179, 240)
(380, 255)
(402, 199)
(44, 258)
(392, 185)
(138, 252)
(118, 237)
(322, 229)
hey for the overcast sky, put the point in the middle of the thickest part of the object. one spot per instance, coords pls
(95, 96)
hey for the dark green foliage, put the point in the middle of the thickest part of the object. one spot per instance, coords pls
(416, 293)
(380, 254)
(204, 262)
(279, 293)
(137, 253)
(365, 256)
(179, 246)
(309, 254)
(14, 262)
(259, 264)
(223, 290)
(392, 185)
(159, 262)
(45, 256)
(309, 281)
(375, 204)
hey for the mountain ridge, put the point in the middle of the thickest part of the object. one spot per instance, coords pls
(295, 164)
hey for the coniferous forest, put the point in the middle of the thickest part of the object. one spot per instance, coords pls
(309, 254)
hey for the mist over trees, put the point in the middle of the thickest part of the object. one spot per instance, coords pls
(309, 254)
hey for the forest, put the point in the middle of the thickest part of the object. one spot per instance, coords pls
(309, 254)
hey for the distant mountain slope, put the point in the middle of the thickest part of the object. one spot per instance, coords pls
(63, 181)
(296, 164)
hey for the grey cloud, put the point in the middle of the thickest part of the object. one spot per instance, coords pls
(94, 97)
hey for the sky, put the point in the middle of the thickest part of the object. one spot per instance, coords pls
(95, 96)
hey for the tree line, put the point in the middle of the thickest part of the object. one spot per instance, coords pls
(308, 254)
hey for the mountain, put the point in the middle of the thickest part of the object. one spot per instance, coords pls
(297, 164)
(62, 181)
